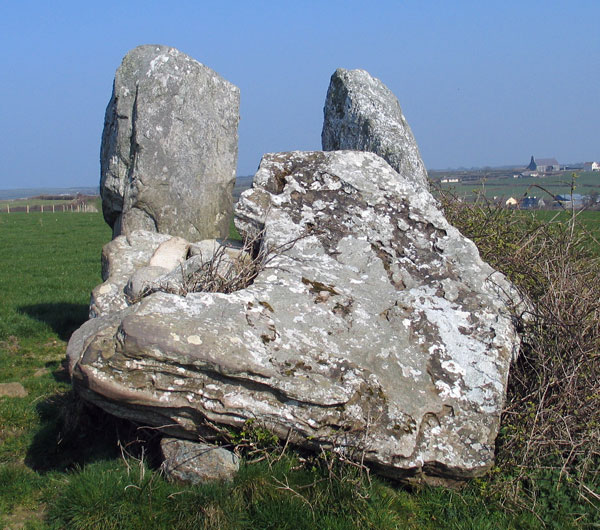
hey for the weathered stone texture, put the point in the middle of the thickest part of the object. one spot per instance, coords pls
(143, 261)
(378, 332)
(197, 463)
(362, 114)
(169, 146)
(121, 258)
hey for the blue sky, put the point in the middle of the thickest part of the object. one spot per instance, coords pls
(480, 82)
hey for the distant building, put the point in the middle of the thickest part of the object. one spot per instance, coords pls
(591, 166)
(547, 165)
(567, 201)
(512, 202)
(528, 203)
(543, 165)
(453, 180)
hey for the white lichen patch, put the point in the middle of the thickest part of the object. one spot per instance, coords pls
(106, 288)
(194, 339)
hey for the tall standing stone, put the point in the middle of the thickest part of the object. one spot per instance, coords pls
(362, 114)
(169, 146)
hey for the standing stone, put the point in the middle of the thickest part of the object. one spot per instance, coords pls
(362, 114)
(169, 147)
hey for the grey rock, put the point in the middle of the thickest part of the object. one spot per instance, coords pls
(13, 390)
(376, 330)
(170, 254)
(362, 114)
(169, 146)
(209, 247)
(121, 258)
(197, 463)
(142, 262)
(144, 280)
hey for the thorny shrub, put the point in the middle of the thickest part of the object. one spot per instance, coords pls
(551, 422)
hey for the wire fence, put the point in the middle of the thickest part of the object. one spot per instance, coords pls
(49, 208)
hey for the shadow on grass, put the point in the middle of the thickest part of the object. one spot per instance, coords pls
(64, 318)
(74, 433)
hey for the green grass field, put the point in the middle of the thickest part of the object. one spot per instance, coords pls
(589, 220)
(585, 183)
(56, 472)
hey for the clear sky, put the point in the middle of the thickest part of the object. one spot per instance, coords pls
(480, 82)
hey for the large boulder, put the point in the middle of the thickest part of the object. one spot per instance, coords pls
(169, 146)
(361, 113)
(373, 329)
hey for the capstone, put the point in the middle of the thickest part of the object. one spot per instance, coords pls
(375, 330)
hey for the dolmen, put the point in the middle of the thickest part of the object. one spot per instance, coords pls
(368, 325)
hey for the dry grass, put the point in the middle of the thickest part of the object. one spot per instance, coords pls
(551, 424)
(226, 271)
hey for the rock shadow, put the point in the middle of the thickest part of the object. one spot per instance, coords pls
(63, 317)
(74, 433)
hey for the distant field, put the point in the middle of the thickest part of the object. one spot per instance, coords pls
(590, 220)
(585, 183)
(40, 252)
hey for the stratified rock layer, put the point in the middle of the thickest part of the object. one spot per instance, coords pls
(169, 146)
(362, 114)
(375, 330)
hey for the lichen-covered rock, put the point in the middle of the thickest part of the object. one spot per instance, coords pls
(169, 146)
(121, 258)
(375, 330)
(362, 114)
(141, 262)
(197, 463)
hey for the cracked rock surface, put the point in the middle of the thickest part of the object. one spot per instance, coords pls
(169, 146)
(361, 113)
(375, 330)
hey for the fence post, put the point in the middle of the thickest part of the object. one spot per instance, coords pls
(42, 208)
(53, 208)
(7, 208)
(28, 208)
